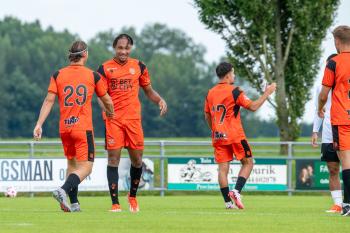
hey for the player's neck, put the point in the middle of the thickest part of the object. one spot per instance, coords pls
(223, 81)
(344, 48)
(79, 63)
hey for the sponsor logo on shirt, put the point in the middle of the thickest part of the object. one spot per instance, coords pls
(71, 120)
(219, 135)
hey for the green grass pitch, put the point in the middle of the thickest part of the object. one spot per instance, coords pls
(174, 214)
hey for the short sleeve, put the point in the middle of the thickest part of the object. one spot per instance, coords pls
(144, 77)
(329, 74)
(100, 87)
(206, 107)
(240, 98)
(53, 83)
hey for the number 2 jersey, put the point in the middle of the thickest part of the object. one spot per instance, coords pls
(75, 86)
(337, 77)
(124, 81)
(223, 104)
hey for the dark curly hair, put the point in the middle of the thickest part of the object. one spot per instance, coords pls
(223, 68)
(122, 36)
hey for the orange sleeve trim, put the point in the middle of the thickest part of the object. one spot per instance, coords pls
(250, 103)
(146, 85)
(102, 95)
(52, 92)
(326, 85)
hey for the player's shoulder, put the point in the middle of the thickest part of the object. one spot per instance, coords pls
(236, 92)
(136, 62)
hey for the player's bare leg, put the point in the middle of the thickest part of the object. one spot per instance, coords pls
(113, 177)
(72, 165)
(244, 173)
(135, 175)
(335, 186)
(73, 180)
(223, 182)
(344, 157)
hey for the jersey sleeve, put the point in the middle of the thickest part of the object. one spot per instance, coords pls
(329, 74)
(144, 77)
(207, 107)
(100, 87)
(53, 84)
(240, 98)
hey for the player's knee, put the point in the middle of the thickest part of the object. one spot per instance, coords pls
(333, 170)
(113, 160)
(136, 162)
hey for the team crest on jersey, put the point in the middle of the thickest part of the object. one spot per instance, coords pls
(132, 71)
(111, 142)
(71, 120)
(219, 135)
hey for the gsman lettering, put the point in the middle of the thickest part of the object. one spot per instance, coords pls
(26, 170)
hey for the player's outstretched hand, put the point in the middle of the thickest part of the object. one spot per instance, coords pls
(321, 112)
(270, 89)
(38, 131)
(109, 115)
(162, 106)
(314, 139)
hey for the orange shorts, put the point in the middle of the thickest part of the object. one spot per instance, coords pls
(124, 133)
(225, 153)
(79, 144)
(341, 135)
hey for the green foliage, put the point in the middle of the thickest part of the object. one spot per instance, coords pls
(30, 55)
(275, 41)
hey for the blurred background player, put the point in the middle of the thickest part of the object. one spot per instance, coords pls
(223, 117)
(337, 78)
(74, 86)
(328, 153)
(124, 76)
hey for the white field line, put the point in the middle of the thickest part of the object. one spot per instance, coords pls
(207, 213)
(17, 224)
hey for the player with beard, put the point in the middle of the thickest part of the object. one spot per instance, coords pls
(222, 107)
(124, 76)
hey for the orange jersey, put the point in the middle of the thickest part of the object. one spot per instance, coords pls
(74, 86)
(337, 77)
(124, 81)
(223, 103)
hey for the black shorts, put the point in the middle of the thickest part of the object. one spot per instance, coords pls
(328, 154)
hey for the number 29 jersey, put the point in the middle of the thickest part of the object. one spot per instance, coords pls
(223, 102)
(75, 86)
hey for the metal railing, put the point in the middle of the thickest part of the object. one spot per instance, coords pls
(163, 143)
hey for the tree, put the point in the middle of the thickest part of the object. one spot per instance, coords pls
(274, 41)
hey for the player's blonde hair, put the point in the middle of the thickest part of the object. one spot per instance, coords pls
(76, 50)
(342, 33)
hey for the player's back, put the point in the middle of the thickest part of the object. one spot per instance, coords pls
(339, 66)
(223, 103)
(75, 86)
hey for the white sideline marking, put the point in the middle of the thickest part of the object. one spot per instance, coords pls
(176, 212)
(18, 224)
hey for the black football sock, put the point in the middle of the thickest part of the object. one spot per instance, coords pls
(72, 182)
(224, 192)
(113, 177)
(240, 183)
(346, 182)
(73, 195)
(135, 175)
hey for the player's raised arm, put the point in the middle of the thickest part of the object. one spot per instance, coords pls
(155, 97)
(257, 103)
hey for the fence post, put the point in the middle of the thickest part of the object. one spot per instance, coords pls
(290, 168)
(31, 152)
(162, 153)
